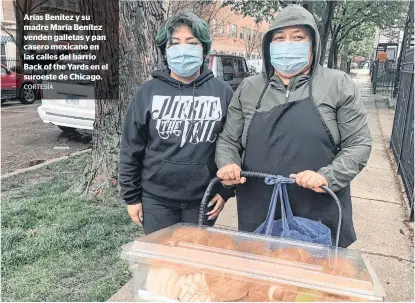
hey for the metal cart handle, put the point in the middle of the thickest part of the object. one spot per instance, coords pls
(249, 174)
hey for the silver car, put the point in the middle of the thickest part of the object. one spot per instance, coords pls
(229, 68)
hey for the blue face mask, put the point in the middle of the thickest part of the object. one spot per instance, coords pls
(289, 57)
(184, 59)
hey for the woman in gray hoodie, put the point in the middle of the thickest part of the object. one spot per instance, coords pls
(296, 119)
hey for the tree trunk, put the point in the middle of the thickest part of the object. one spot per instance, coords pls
(335, 55)
(330, 60)
(325, 27)
(21, 7)
(345, 56)
(136, 55)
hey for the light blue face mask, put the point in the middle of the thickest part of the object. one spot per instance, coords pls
(184, 59)
(289, 57)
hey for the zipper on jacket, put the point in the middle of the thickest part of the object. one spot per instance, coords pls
(287, 95)
(289, 88)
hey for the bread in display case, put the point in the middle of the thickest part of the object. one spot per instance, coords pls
(186, 263)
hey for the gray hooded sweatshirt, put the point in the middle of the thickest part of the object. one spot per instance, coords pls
(334, 92)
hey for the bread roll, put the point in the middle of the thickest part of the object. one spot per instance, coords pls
(169, 285)
(292, 254)
(182, 235)
(164, 281)
(194, 289)
(244, 299)
(153, 281)
(258, 292)
(327, 297)
(225, 288)
(190, 235)
(323, 262)
(253, 247)
(344, 268)
(282, 293)
(222, 242)
(174, 287)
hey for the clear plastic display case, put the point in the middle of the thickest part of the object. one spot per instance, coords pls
(186, 263)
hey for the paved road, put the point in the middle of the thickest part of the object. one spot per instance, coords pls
(26, 140)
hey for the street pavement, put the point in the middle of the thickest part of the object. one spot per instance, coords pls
(26, 140)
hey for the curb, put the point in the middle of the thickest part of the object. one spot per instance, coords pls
(34, 167)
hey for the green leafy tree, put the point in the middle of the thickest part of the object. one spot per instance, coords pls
(362, 39)
(323, 11)
(336, 19)
(350, 15)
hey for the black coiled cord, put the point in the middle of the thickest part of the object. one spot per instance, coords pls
(249, 174)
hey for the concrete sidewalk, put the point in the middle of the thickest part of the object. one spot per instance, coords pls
(379, 210)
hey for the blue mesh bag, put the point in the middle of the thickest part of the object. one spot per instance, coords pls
(290, 226)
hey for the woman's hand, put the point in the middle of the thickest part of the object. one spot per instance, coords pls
(219, 204)
(310, 179)
(231, 175)
(136, 213)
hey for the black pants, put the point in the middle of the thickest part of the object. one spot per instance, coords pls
(160, 214)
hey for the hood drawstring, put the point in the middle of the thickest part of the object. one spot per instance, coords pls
(263, 92)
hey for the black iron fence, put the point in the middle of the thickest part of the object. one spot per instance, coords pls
(11, 63)
(383, 76)
(402, 140)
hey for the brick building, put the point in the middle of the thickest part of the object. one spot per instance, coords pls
(8, 21)
(237, 35)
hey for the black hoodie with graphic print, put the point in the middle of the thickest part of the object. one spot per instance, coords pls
(169, 137)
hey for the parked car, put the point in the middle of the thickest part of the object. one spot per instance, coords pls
(229, 68)
(14, 86)
(255, 65)
(69, 105)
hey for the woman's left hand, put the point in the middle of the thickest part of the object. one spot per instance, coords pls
(219, 204)
(310, 179)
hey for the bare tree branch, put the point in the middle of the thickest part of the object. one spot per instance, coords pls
(254, 42)
(16, 3)
(33, 8)
(11, 36)
(346, 33)
(356, 13)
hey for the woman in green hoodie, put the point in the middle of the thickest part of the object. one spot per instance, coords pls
(296, 119)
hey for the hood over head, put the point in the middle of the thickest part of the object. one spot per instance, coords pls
(292, 15)
(164, 75)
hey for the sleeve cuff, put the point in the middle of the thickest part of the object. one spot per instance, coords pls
(132, 201)
(226, 193)
(326, 174)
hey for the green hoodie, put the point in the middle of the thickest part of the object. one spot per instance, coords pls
(334, 92)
